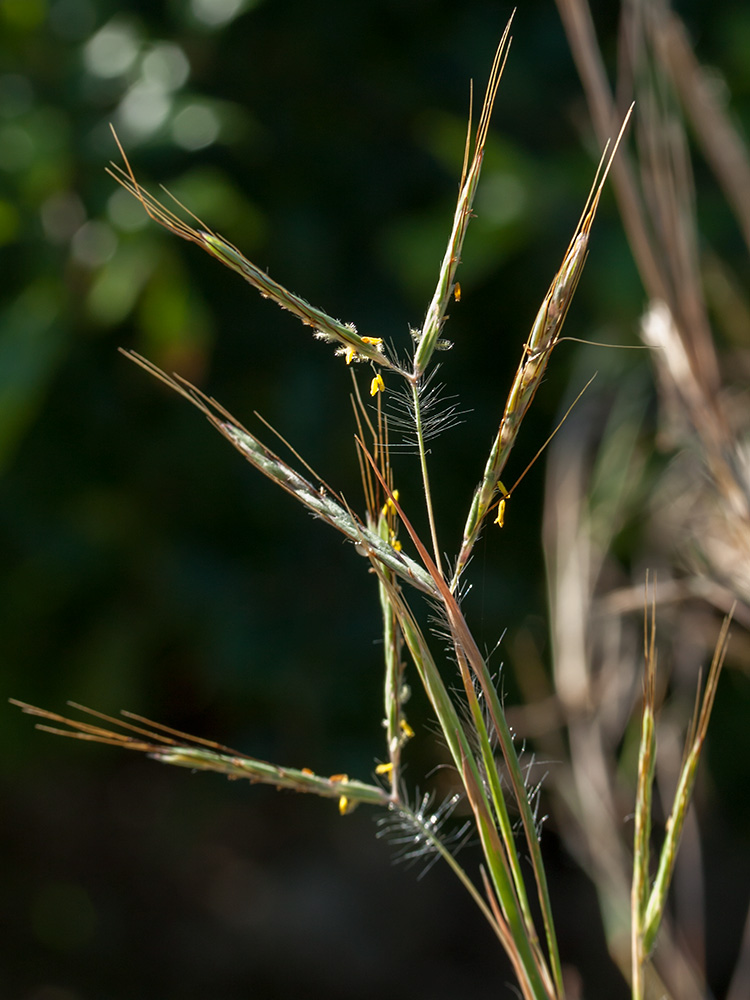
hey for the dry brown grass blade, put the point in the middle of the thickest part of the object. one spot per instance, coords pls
(666, 253)
(579, 27)
(721, 143)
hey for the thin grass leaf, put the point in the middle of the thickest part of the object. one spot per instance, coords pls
(486, 745)
(458, 744)
(429, 675)
(535, 983)
(465, 644)
(204, 755)
(642, 831)
(544, 335)
(694, 745)
(502, 924)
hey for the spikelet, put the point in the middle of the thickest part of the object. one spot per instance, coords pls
(351, 344)
(544, 335)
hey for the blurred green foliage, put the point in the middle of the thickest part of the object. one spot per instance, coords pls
(144, 567)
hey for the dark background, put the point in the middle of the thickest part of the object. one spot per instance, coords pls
(145, 567)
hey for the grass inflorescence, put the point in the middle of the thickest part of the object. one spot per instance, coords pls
(492, 783)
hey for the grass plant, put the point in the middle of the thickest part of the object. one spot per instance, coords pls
(462, 692)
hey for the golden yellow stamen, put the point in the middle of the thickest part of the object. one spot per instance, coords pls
(500, 519)
(389, 506)
(377, 385)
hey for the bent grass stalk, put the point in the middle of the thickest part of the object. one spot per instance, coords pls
(499, 891)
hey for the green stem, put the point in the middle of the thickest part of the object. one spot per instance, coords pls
(425, 475)
(393, 682)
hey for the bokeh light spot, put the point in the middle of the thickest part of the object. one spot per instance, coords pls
(125, 211)
(216, 12)
(195, 126)
(112, 50)
(166, 66)
(144, 108)
(501, 198)
(94, 243)
(63, 215)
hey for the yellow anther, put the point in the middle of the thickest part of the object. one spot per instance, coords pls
(377, 385)
(406, 729)
(344, 805)
(384, 768)
(500, 519)
(389, 507)
(375, 341)
(306, 770)
(338, 777)
(457, 291)
(351, 353)
(395, 544)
